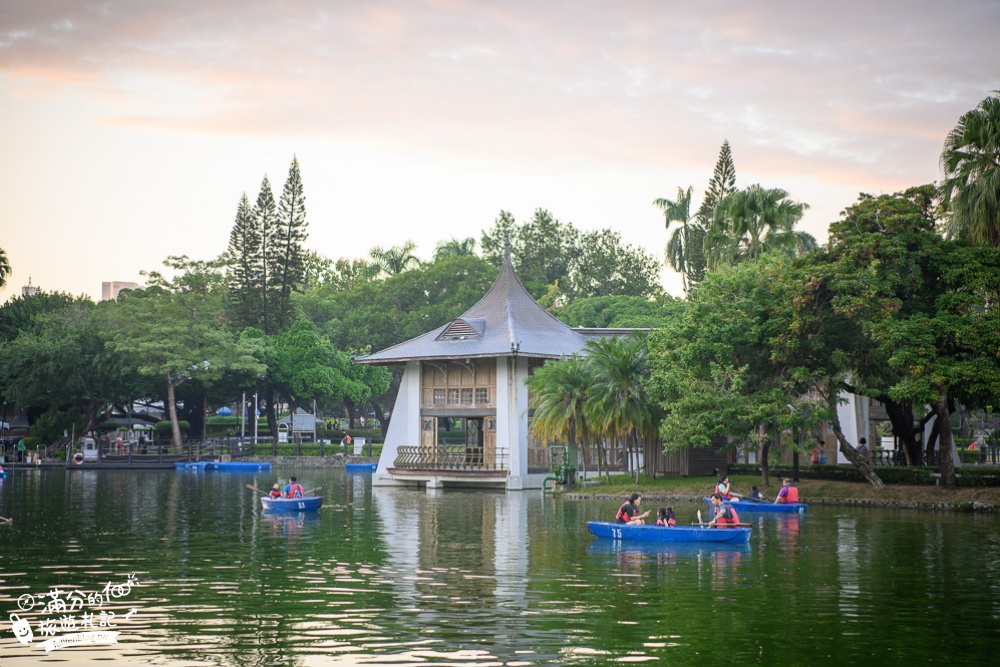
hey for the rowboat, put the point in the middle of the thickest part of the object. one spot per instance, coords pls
(222, 466)
(3, 473)
(764, 506)
(624, 531)
(304, 504)
(362, 467)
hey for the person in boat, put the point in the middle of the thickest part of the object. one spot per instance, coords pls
(294, 489)
(723, 488)
(629, 511)
(275, 491)
(788, 493)
(755, 493)
(725, 515)
(665, 517)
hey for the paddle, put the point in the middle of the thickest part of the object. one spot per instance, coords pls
(254, 488)
(4, 519)
(312, 491)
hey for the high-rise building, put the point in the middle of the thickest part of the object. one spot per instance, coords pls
(29, 289)
(110, 290)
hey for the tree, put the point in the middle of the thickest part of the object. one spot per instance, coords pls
(971, 164)
(455, 248)
(744, 363)
(619, 311)
(620, 409)
(304, 366)
(605, 266)
(395, 260)
(246, 267)
(289, 270)
(543, 250)
(266, 223)
(176, 331)
(559, 394)
(64, 370)
(751, 222)
(685, 239)
(4, 267)
(721, 185)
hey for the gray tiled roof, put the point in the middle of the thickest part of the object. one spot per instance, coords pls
(505, 322)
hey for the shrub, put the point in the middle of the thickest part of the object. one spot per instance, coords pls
(164, 428)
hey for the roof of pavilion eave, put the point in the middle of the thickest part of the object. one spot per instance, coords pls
(507, 321)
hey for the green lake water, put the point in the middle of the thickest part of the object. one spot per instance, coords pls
(196, 573)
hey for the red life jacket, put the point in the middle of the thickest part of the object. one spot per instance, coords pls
(623, 516)
(793, 495)
(296, 491)
(734, 518)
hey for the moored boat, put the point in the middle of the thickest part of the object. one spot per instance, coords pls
(744, 505)
(646, 533)
(362, 467)
(304, 504)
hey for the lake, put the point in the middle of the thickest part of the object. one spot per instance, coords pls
(189, 570)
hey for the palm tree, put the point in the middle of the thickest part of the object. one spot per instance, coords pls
(619, 406)
(683, 248)
(455, 248)
(396, 259)
(754, 221)
(559, 398)
(971, 164)
(4, 267)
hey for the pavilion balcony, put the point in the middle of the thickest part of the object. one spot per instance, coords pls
(486, 461)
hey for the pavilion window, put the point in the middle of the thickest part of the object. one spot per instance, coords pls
(453, 396)
(439, 396)
(482, 395)
(467, 396)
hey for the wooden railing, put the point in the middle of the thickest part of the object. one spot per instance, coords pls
(451, 457)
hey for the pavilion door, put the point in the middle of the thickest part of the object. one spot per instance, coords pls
(474, 441)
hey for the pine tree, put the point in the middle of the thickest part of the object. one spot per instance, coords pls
(722, 183)
(245, 267)
(290, 266)
(266, 221)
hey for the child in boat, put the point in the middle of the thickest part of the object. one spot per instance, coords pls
(275, 491)
(665, 517)
(755, 493)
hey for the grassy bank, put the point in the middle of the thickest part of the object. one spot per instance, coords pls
(810, 491)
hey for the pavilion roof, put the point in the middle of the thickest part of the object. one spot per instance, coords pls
(507, 321)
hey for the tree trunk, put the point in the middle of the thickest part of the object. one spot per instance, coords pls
(857, 459)
(271, 411)
(383, 423)
(765, 459)
(175, 426)
(901, 417)
(946, 462)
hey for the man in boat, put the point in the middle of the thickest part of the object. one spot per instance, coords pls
(725, 515)
(788, 493)
(629, 511)
(294, 489)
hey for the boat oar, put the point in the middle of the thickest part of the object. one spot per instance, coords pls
(312, 491)
(739, 525)
(4, 519)
(254, 488)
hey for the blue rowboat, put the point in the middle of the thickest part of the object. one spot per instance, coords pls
(764, 506)
(362, 467)
(3, 473)
(237, 466)
(624, 531)
(304, 504)
(192, 466)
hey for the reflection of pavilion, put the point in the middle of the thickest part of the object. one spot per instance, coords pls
(461, 416)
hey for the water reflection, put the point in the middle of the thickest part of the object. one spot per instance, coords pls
(401, 577)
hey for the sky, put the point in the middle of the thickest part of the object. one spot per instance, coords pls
(130, 129)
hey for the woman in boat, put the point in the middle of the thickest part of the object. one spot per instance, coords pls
(725, 515)
(723, 488)
(275, 491)
(629, 511)
(665, 517)
(294, 489)
(788, 493)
